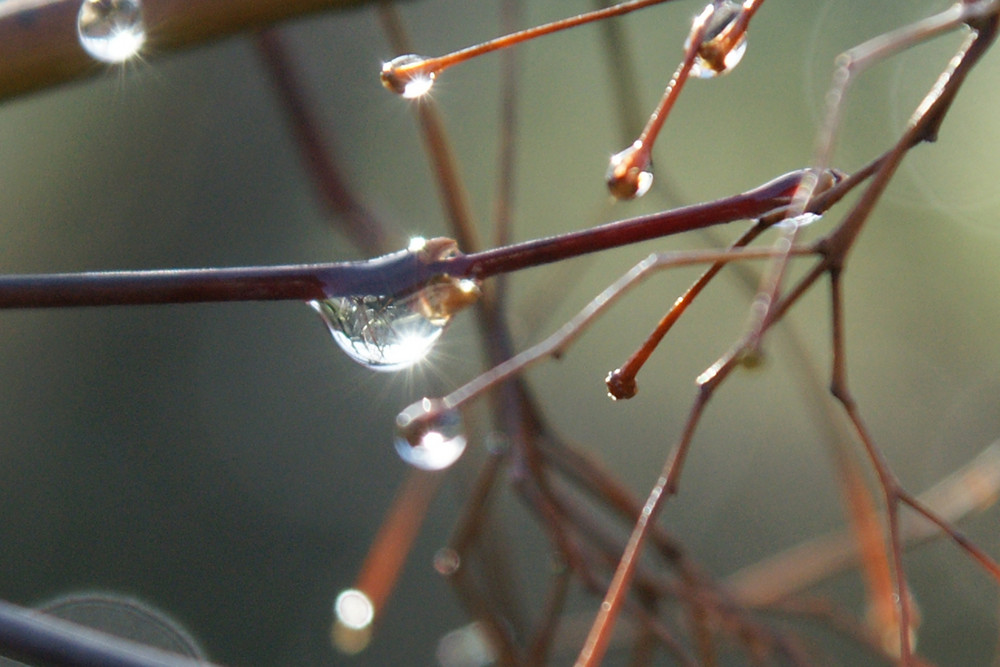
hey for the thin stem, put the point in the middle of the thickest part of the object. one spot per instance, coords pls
(396, 273)
(443, 161)
(435, 65)
(557, 343)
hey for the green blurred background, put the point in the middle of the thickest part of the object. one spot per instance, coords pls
(228, 465)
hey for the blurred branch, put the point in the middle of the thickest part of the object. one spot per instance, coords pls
(44, 640)
(39, 46)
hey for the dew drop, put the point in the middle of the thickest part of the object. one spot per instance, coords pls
(382, 333)
(391, 333)
(629, 175)
(714, 56)
(111, 31)
(429, 435)
(413, 81)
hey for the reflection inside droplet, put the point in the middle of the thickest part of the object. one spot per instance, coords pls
(380, 332)
(715, 57)
(429, 435)
(393, 332)
(111, 31)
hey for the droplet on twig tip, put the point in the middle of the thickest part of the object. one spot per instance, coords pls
(404, 76)
(429, 435)
(718, 53)
(629, 174)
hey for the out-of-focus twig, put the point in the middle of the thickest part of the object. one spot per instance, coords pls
(39, 46)
(970, 489)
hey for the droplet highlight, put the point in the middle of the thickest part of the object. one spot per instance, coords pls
(800, 220)
(111, 31)
(429, 435)
(629, 174)
(716, 56)
(353, 613)
(404, 76)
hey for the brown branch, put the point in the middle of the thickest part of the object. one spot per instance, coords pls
(39, 46)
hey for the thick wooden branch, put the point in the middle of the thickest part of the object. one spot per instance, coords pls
(39, 46)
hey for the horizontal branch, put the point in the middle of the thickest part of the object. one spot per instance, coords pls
(395, 274)
(39, 46)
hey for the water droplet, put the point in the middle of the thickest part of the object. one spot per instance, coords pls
(629, 173)
(381, 332)
(404, 76)
(429, 435)
(353, 613)
(390, 333)
(800, 220)
(447, 561)
(716, 57)
(111, 31)
(387, 333)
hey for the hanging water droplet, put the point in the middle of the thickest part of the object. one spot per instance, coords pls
(387, 333)
(717, 56)
(404, 76)
(629, 174)
(429, 435)
(381, 332)
(111, 30)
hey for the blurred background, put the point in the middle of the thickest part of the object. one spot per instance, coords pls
(228, 465)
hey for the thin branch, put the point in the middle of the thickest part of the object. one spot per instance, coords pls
(397, 273)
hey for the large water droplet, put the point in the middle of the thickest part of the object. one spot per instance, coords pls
(429, 435)
(381, 332)
(629, 175)
(403, 76)
(715, 57)
(387, 333)
(111, 30)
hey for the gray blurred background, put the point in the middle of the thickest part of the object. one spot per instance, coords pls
(228, 465)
